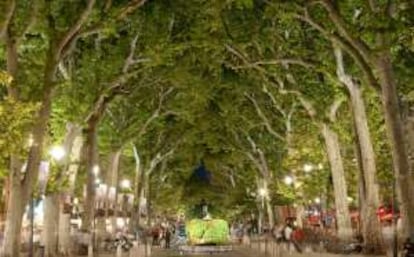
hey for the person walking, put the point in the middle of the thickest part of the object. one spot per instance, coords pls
(167, 237)
(290, 234)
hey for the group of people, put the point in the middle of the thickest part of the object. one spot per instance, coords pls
(162, 233)
(287, 233)
(166, 231)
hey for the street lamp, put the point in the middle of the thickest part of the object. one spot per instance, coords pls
(263, 192)
(95, 170)
(57, 152)
(125, 184)
(288, 180)
(307, 168)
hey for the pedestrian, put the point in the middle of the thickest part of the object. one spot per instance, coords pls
(167, 237)
(291, 235)
(278, 233)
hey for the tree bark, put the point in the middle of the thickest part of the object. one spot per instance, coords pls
(393, 121)
(14, 218)
(409, 131)
(72, 146)
(20, 194)
(64, 235)
(361, 182)
(134, 224)
(371, 228)
(145, 194)
(51, 224)
(72, 169)
(339, 183)
(21, 189)
(91, 159)
(112, 175)
(269, 207)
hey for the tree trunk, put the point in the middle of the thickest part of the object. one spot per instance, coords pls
(14, 219)
(90, 153)
(64, 240)
(21, 190)
(409, 131)
(371, 228)
(269, 207)
(113, 171)
(339, 183)
(112, 175)
(300, 213)
(393, 121)
(51, 224)
(64, 218)
(143, 194)
(361, 184)
(52, 207)
(146, 192)
(135, 222)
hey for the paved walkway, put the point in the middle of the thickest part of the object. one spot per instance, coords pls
(237, 252)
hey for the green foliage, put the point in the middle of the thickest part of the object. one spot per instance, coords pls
(16, 118)
(212, 61)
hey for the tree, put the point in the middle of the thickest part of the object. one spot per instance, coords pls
(60, 38)
(376, 65)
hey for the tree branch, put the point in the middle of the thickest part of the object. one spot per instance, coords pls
(299, 62)
(274, 102)
(9, 11)
(344, 78)
(130, 59)
(334, 108)
(307, 105)
(255, 162)
(156, 113)
(264, 118)
(158, 159)
(373, 5)
(340, 24)
(114, 88)
(71, 33)
(358, 58)
(132, 6)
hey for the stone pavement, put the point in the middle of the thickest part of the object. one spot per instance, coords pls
(252, 249)
(237, 252)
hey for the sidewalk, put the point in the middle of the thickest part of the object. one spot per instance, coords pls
(271, 249)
